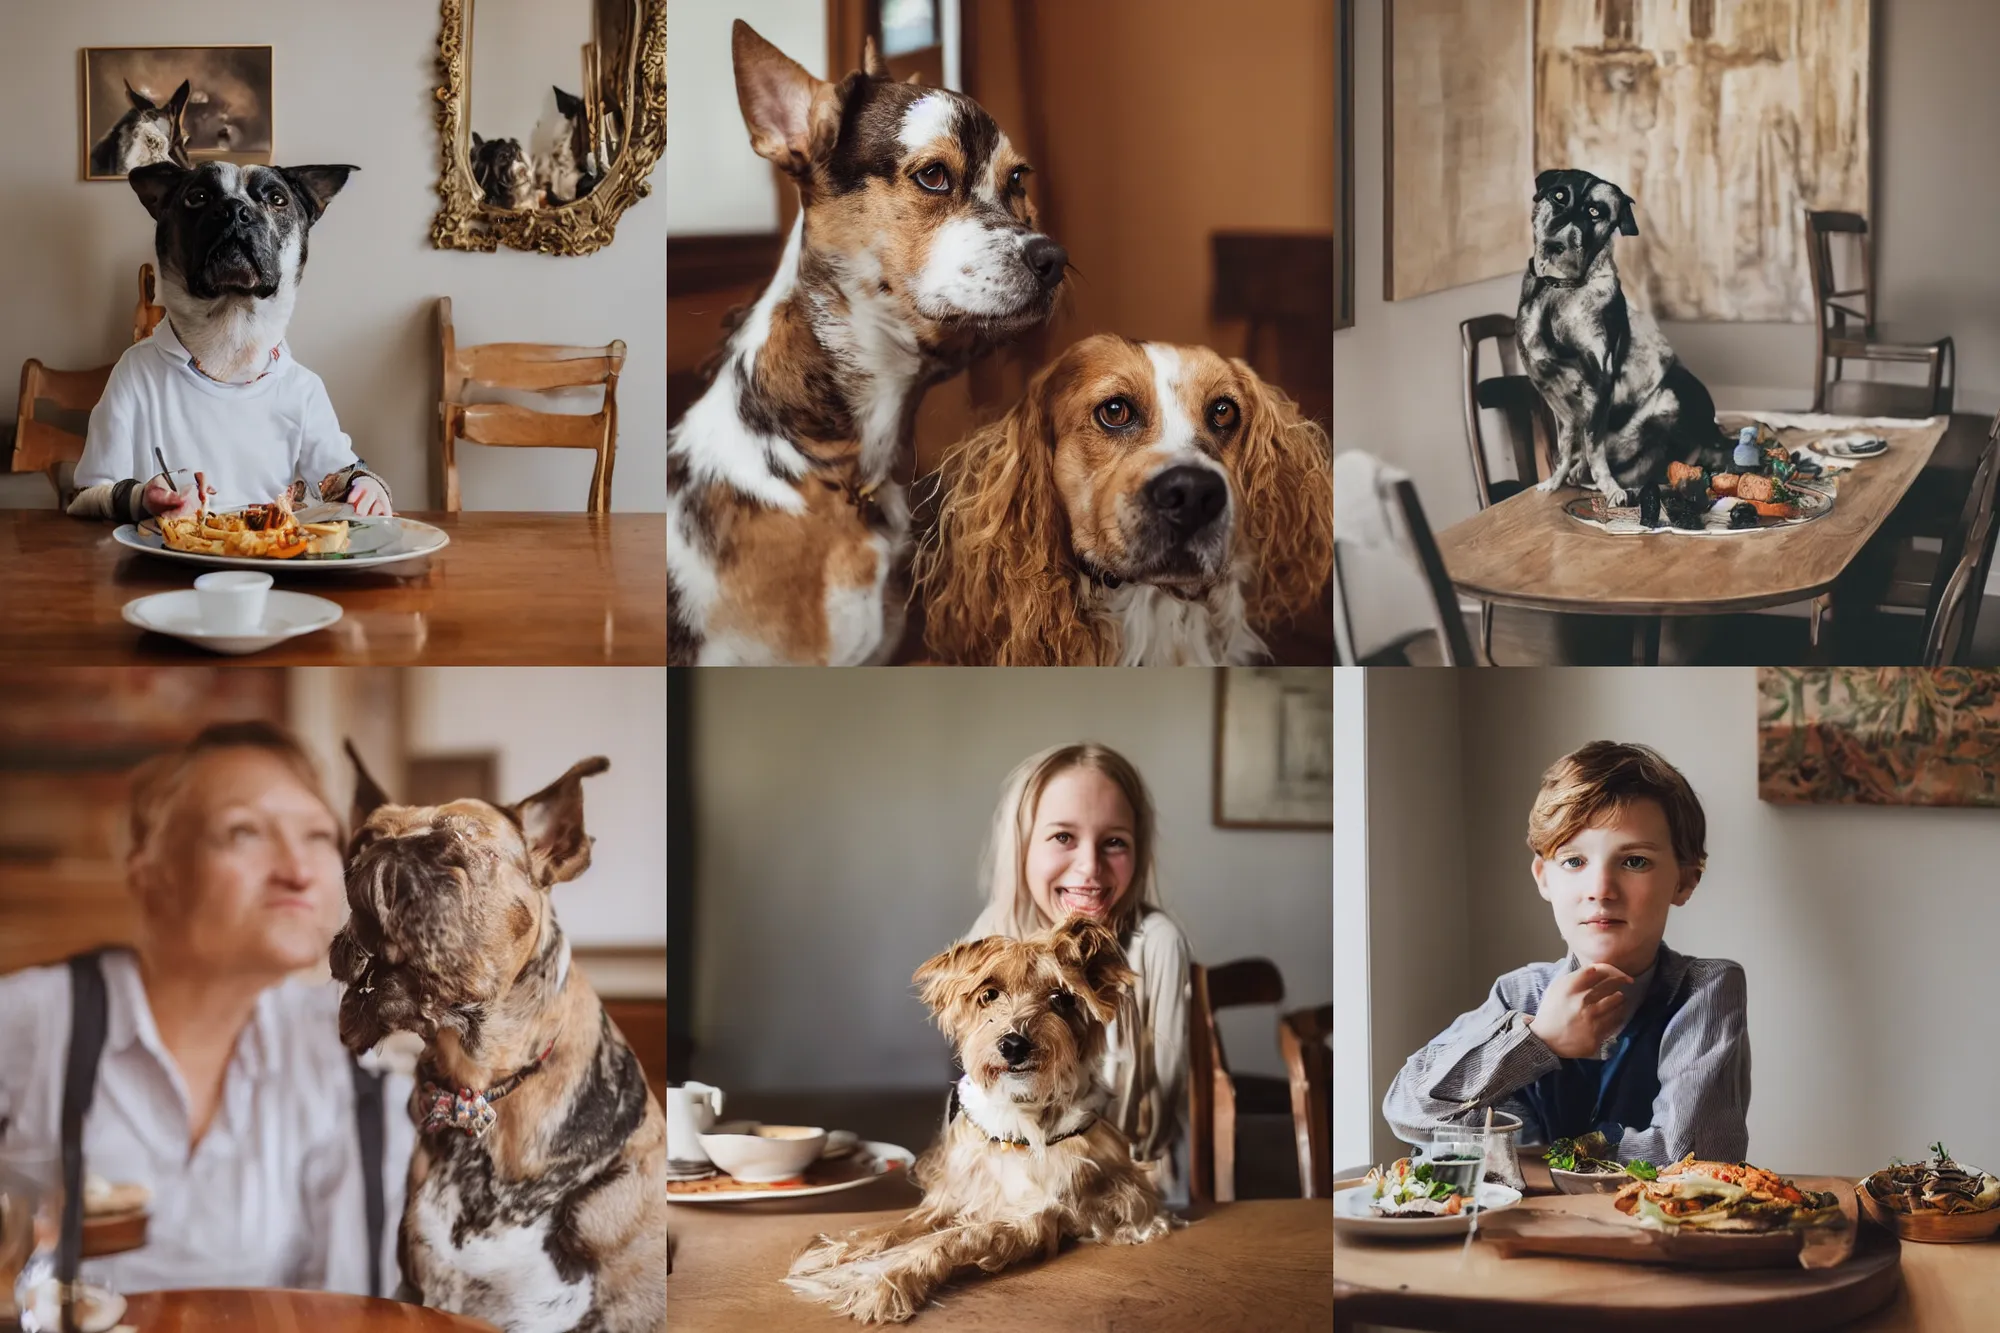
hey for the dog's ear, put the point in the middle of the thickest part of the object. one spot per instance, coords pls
(552, 823)
(1282, 467)
(939, 980)
(793, 118)
(872, 62)
(567, 106)
(154, 184)
(178, 102)
(1544, 181)
(368, 794)
(1092, 949)
(316, 186)
(139, 100)
(1626, 225)
(477, 142)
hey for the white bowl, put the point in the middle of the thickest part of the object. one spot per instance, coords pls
(759, 1154)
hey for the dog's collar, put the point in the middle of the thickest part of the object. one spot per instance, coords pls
(195, 361)
(469, 1112)
(1012, 1142)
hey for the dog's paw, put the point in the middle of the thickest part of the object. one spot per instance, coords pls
(1550, 482)
(1614, 494)
(1138, 1233)
(856, 1290)
(821, 1255)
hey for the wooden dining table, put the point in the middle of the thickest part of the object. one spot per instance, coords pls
(1260, 1263)
(1435, 1285)
(1526, 551)
(510, 590)
(234, 1310)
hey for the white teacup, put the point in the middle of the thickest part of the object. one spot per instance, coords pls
(232, 600)
(692, 1110)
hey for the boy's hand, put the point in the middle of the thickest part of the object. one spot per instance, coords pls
(1581, 1010)
(367, 497)
(163, 501)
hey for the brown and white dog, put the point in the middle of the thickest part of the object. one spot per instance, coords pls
(916, 250)
(1025, 1163)
(537, 1194)
(1143, 505)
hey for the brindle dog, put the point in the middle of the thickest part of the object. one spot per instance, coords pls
(537, 1195)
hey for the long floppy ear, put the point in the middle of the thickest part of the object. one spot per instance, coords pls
(872, 62)
(1544, 180)
(1283, 467)
(154, 184)
(552, 823)
(1626, 225)
(998, 577)
(793, 117)
(939, 981)
(368, 794)
(1093, 950)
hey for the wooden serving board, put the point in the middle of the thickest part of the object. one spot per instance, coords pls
(1589, 1226)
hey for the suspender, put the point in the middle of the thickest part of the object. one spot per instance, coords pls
(89, 1014)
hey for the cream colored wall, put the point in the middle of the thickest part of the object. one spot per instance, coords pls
(1866, 933)
(353, 84)
(539, 721)
(1396, 372)
(840, 814)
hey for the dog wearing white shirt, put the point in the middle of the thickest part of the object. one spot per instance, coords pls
(1027, 1160)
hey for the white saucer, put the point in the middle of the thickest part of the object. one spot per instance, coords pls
(287, 615)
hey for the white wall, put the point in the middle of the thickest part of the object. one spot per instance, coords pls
(1353, 1083)
(839, 817)
(1397, 379)
(714, 182)
(354, 84)
(540, 721)
(1867, 933)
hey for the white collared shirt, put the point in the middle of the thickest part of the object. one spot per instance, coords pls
(249, 440)
(272, 1196)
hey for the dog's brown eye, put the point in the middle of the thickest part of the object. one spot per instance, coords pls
(278, 199)
(935, 178)
(989, 995)
(1597, 212)
(1062, 1002)
(1222, 414)
(1115, 413)
(1017, 180)
(195, 198)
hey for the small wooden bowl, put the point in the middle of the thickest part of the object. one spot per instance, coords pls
(1929, 1228)
(114, 1233)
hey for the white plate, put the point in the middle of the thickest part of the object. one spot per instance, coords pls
(373, 543)
(1354, 1214)
(287, 615)
(887, 1157)
(839, 1143)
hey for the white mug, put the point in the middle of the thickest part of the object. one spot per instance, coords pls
(692, 1109)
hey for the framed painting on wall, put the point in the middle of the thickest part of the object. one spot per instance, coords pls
(1724, 123)
(147, 104)
(1274, 748)
(1458, 148)
(1878, 736)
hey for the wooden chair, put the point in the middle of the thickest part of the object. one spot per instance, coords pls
(1849, 334)
(146, 316)
(39, 445)
(1214, 1096)
(1419, 545)
(1953, 615)
(1303, 1036)
(536, 367)
(1526, 420)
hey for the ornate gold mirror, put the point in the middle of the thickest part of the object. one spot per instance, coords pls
(550, 118)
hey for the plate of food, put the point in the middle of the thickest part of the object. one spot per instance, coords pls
(1719, 504)
(1938, 1200)
(1719, 1197)
(1409, 1199)
(1586, 1166)
(273, 535)
(866, 1161)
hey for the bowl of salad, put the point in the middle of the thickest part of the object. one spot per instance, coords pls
(1588, 1166)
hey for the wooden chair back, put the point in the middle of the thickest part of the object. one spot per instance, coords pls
(146, 315)
(1211, 1093)
(1829, 301)
(1303, 1036)
(1419, 545)
(39, 444)
(533, 367)
(1954, 617)
(1528, 424)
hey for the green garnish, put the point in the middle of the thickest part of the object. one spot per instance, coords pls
(1562, 1155)
(1642, 1169)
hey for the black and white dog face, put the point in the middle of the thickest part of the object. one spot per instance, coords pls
(1576, 215)
(225, 230)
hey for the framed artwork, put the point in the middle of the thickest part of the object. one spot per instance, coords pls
(1878, 736)
(1458, 151)
(146, 104)
(1343, 164)
(1274, 748)
(1724, 123)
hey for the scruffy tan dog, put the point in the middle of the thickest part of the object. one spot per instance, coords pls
(1025, 1162)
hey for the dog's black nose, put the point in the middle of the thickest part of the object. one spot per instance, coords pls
(1552, 248)
(1015, 1048)
(1187, 497)
(1046, 259)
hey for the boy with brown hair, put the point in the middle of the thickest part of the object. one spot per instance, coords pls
(1624, 1037)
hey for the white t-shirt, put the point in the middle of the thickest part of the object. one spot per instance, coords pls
(249, 440)
(272, 1196)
